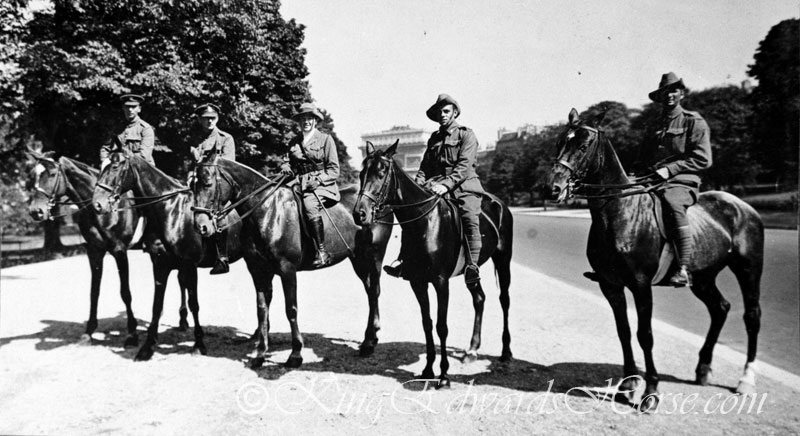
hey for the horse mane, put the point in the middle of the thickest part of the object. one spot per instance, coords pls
(92, 171)
(243, 167)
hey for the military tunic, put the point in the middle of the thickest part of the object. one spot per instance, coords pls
(450, 159)
(681, 143)
(316, 159)
(223, 142)
(136, 137)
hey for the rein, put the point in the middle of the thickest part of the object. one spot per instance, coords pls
(117, 196)
(574, 182)
(383, 193)
(51, 196)
(217, 215)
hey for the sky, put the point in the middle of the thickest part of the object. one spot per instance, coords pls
(375, 64)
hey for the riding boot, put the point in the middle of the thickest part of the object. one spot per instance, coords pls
(474, 244)
(220, 242)
(682, 243)
(318, 235)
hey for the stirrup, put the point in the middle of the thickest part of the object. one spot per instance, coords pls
(220, 266)
(394, 270)
(592, 275)
(681, 278)
(472, 274)
(322, 259)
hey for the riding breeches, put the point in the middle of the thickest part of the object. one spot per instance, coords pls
(469, 206)
(312, 206)
(676, 201)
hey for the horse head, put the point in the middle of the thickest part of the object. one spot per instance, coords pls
(212, 188)
(48, 184)
(577, 155)
(376, 178)
(117, 177)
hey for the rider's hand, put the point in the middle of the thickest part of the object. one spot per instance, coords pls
(286, 170)
(439, 189)
(312, 184)
(663, 173)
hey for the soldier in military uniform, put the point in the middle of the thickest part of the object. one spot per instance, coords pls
(313, 161)
(677, 147)
(208, 137)
(135, 136)
(448, 165)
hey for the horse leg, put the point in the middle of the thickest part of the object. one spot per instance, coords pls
(749, 278)
(706, 290)
(262, 280)
(187, 277)
(615, 295)
(96, 265)
(289, 281)
(121, 258)
(502, 262)
(443, 301)
(160, 276)
(369, 271)
(421, 292)
(183, 312)
(643, 298)
(478, 299)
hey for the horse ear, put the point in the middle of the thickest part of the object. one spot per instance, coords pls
(49, 154)
(210, 154)
(370, 148)
(392, 150)
(36, 154)
(573, 116)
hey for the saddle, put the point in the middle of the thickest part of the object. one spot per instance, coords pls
(667, 263)
(491, 217)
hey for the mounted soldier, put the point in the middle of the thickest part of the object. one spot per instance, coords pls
(677, 147)
(209, 137)
(313, 161)
(135, 136)
(448, 165)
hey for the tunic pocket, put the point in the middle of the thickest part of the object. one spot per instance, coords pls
(675, 138)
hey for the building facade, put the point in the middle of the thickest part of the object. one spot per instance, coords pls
(411, 147)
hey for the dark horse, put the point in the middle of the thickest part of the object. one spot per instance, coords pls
(273, 241)
(167, 204)
(431, 245)
(107, 233)
(625, 242)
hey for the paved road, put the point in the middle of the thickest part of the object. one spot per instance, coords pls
(556, 246)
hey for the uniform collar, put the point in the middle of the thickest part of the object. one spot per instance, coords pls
(210, 132)
(674, 112)
(450, 129)
(135, 120)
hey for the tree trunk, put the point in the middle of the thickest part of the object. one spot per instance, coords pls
(52, 235)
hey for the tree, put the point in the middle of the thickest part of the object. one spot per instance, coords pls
(79, 56)
(617, 126)
(347, 174)
(501, 178)
(727, 111)
(776, 101)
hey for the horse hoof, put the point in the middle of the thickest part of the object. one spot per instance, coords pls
(257, 362)
(444, 383)
(649, 403)
(427, 374)
(183, 325)
(199, 350)
(745, 388)
(293, 362)
(86, 339)
(703, 374)
(506, 357)
(144, 354)
(131, 341)
(470, 357)
(366, 350)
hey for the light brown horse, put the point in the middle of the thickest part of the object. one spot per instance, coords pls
(625, 243)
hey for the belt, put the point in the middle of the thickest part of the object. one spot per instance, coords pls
(688, 183)
(305, 168)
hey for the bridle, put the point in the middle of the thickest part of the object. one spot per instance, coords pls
(54, 194)
(579, 172)
(216, 212)
(116, 194)
(379, 201)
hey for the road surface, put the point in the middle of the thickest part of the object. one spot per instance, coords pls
(555, 245)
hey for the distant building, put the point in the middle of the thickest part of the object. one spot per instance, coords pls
(413, 142)
(508, 138)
